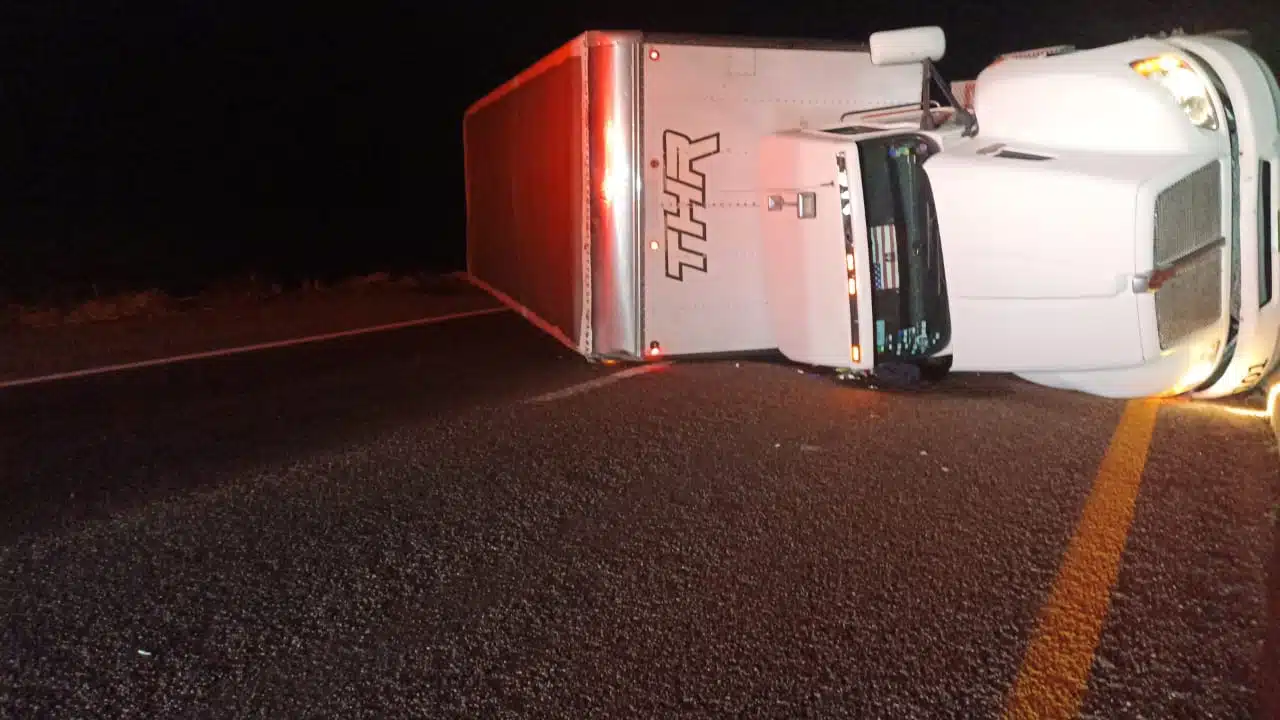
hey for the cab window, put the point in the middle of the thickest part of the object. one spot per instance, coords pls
(909, 298)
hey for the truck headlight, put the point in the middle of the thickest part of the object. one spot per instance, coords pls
(1190, 92)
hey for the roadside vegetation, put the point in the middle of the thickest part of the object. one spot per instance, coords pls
(155, 303)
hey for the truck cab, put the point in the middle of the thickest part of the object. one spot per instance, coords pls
(1107, 218)
(884, 284)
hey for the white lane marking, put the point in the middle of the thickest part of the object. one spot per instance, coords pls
(121, 367)
(525, 312)
(598, 383)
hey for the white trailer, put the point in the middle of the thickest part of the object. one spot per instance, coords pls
(1107, 217)
(611, 187)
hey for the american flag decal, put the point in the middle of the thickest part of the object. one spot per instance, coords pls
(884, 257)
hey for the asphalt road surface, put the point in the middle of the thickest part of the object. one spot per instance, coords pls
(425, 523)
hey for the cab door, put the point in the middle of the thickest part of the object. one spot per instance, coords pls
(817, 266)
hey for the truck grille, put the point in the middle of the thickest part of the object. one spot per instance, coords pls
(1190, 301)
(1188, 217)
(1189, 214)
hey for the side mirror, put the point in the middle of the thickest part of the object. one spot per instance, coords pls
(908, 45)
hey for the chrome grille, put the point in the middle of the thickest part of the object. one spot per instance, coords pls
(1191, 300)
(1189, 214)
(1188, 217)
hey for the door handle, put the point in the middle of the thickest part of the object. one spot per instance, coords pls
(806, 204)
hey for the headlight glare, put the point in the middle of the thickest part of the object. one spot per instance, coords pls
(1177, 77)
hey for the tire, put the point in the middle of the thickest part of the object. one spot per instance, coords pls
(935, 369)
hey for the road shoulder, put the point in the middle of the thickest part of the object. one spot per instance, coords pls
(34, 352)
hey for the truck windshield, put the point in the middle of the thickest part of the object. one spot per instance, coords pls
(909, 298)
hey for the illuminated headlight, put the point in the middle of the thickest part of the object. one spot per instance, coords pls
(1184, 84)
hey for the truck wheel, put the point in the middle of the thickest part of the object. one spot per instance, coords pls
(935, 369)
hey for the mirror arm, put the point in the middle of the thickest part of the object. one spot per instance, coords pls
(926, 121)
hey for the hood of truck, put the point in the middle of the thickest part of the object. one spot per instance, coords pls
(1041, 249)
(1025, 222)
(1087, 101)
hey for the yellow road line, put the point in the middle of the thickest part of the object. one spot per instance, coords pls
(1055, 669)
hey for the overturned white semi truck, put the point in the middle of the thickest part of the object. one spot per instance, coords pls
(1100, 219)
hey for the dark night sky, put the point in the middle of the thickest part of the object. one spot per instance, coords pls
(197, 137)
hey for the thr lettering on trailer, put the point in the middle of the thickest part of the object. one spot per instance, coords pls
(686, 186)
